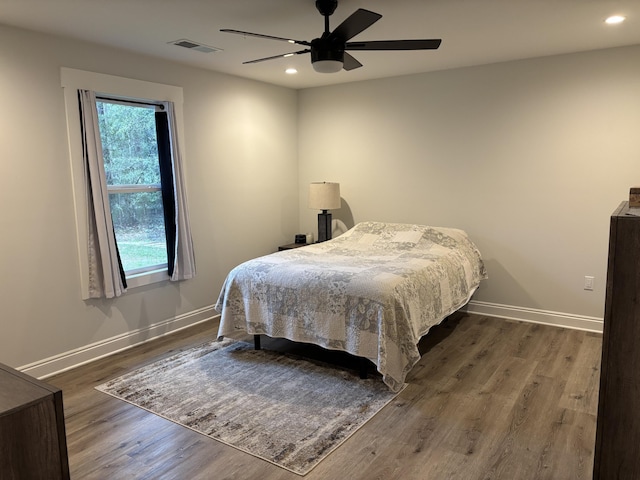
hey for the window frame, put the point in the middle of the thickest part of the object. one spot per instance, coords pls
(124, 89)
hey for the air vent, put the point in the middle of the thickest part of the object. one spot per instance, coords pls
(191, 45)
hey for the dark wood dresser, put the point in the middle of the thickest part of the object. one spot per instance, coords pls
(617, 452)
(33, 443)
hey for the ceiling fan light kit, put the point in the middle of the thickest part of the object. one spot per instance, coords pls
(327, 66)
(329, 51)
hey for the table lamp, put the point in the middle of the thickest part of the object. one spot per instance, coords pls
(324, 196)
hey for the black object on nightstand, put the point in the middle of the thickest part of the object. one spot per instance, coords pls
(291, 246)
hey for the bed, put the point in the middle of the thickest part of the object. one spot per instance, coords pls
(373, 292)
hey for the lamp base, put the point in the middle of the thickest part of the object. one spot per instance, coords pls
(324, 226)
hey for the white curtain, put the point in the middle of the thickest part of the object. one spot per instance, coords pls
(105, 271)
(185, 263)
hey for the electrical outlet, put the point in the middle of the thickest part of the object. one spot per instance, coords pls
(588, 282)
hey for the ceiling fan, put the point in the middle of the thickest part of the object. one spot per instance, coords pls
(328, 53)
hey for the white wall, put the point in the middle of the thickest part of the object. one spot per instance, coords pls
(241, 169)
(529, 157)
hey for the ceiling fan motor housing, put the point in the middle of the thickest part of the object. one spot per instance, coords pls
(322, 49)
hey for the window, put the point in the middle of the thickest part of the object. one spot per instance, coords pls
(132, 166)
(128, 182)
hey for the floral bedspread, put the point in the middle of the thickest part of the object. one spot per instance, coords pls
(373, 292)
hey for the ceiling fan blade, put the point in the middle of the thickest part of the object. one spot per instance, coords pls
(358, 21)
(260, 35)
(430, 44)
(277, 56)
(350, 63)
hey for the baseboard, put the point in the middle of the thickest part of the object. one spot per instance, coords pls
(80, 356)
(532, 315)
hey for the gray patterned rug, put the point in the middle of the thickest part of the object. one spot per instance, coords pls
(287, 410)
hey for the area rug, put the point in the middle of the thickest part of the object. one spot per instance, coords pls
(284, 409)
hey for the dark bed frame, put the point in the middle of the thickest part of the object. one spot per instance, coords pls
(364, 363)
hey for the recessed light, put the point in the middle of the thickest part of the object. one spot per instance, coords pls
(291, 71)
(615, 19)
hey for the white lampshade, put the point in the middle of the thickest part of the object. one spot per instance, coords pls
(324, 195)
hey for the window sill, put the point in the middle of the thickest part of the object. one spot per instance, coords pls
(147, 278)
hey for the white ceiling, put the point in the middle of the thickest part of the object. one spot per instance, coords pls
(473, 32)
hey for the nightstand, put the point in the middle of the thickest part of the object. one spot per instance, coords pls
(291, 246)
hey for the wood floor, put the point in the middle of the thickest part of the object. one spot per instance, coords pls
(490, 399)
